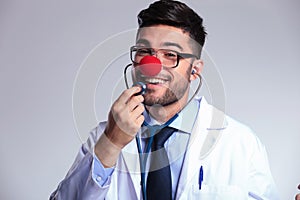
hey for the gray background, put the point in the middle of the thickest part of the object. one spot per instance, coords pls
(255, 45)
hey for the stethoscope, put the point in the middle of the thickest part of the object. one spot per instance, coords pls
(143, 156)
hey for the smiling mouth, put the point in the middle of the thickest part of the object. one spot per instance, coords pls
(155, 81)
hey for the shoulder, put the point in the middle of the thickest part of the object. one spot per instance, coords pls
(232, 131)
(230, 127)
(240, 130)
(237, 127)
(240, 139)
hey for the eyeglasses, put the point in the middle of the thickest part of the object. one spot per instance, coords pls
(169, 58)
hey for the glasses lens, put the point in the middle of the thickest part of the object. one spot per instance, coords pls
(137, 53)
(167, 57)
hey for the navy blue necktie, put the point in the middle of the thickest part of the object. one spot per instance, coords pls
(159, 184)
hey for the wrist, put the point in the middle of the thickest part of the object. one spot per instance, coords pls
(106, 151)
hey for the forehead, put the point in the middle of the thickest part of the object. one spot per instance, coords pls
(162, 36)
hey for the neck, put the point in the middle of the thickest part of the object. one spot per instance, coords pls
(163, 113)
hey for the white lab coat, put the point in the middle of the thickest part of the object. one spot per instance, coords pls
(234, 163)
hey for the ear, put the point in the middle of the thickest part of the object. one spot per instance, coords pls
(196, 69)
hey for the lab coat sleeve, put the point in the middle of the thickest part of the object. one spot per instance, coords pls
(79, 182)
(260, 181)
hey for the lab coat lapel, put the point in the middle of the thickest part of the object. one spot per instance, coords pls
(204, 136)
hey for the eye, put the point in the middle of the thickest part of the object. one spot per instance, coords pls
(170, 54)
(143, 51)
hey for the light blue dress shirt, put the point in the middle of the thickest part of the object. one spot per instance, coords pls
(175, 146)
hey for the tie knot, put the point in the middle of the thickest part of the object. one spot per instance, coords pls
(161, 137)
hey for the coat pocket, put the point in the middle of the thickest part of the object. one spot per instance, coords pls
(211, 192)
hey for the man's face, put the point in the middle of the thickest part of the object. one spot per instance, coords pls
(171, 84)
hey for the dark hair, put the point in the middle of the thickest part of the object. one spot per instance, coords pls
(176, 14)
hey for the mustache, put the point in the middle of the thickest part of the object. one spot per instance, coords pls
(141, 77)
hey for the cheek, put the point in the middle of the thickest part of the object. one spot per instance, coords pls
(183, 71)
(182, 77)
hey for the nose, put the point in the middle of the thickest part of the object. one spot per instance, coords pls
(150, 65)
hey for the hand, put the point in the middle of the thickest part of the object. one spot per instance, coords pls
(125, 117)
(297, 197)
(124, 120)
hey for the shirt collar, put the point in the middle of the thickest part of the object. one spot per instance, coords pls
(185, 120)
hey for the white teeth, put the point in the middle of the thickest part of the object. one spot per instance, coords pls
(155, 80)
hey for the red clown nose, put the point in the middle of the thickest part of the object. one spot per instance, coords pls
(150, 66)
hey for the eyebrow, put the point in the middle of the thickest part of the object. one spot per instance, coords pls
(143, 41)
(166, 44)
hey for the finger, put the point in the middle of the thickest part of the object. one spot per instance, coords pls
(134, 101)
(127, 94)
(138, 111)
(297, 197)
(139, 121)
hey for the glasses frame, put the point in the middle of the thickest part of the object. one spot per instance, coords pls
(154, 51)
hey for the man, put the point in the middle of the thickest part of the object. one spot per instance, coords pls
(206, 154)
